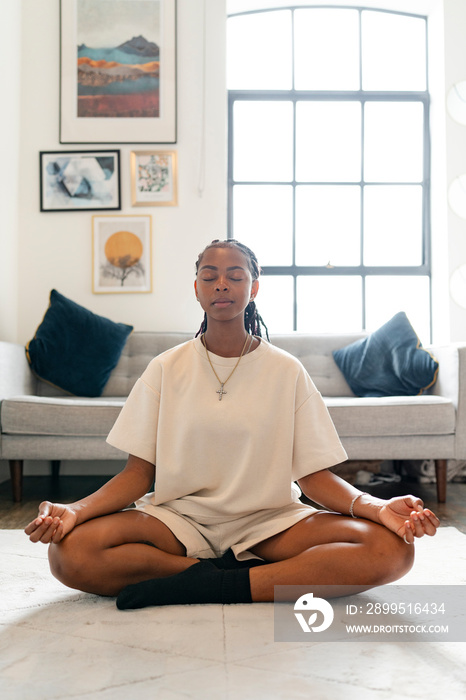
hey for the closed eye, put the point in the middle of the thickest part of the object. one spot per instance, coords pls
(212, 279)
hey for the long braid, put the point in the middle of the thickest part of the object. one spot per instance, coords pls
(253, 321)
(203, 326)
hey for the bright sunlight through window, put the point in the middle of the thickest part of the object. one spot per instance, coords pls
(329, 164)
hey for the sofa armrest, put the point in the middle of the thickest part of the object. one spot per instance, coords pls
(16, 377)
(447, 383)
(451, 383)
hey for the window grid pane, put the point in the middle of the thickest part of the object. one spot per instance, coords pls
(394, 52)
(329, 304)
(251, 41)
(328, 141)
(393, 225)
(275, 302)
(259, 208)
(393, 141)
(328, 225)
(263, 141)
(326, 49)
(349, 220)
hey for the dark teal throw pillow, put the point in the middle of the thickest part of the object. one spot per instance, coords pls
(389, 362)
(75, 349)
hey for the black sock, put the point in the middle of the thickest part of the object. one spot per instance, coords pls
(229, 561)
(200, 583)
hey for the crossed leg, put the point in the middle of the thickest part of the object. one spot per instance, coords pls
(328, 549)
(325, 552)
(104, 555)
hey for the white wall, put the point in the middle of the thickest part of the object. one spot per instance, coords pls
(10, 90)
(55, 248)
(455, 71)
(440, 262)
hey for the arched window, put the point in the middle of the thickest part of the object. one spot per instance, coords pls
(329, 164)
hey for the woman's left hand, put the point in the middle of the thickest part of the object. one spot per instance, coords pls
(407, 516)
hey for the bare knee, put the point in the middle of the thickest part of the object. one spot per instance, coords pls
(391, 556)
(403, 558)
(66, 561)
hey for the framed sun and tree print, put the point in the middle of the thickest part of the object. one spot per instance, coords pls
(79, 180)
(121, 254)
(118, 71)
(153, 178)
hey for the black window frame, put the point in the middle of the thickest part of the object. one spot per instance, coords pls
(362, 96)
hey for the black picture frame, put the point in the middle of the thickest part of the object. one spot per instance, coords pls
(80, 181)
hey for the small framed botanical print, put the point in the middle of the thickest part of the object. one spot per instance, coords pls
(154, 176)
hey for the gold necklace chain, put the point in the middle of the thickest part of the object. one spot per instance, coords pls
(221, 391)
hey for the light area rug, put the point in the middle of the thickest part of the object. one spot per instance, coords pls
(59, 643)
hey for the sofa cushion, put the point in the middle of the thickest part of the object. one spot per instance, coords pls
(392, 416)
(353, 416)
(74, 348)
(57, 416)
(389, 362)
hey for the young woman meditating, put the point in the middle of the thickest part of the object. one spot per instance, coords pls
(225, 424)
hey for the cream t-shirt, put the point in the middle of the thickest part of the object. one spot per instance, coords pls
(217, 460)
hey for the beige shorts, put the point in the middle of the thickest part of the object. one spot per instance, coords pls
(213, 540)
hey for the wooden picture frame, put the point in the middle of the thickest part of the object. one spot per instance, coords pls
(121, 254)
(118, 71)
(154, 178)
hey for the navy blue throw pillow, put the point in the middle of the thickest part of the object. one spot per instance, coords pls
(389, 362)
(75, 349)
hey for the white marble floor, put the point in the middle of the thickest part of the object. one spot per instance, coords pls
(57, 643)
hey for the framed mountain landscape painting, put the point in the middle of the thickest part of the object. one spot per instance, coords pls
(118, 71)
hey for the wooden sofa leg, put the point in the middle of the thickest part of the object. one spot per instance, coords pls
(16, 473)
(441, 478)
(55, 468)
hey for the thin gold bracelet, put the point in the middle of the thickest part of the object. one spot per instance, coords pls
(363, 493)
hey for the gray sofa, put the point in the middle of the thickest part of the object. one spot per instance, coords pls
(39, 421)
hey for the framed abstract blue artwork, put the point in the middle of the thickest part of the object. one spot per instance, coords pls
(79, 180)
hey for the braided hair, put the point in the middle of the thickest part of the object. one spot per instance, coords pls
(253, 321)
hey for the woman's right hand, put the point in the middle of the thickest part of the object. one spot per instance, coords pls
(54, 521)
